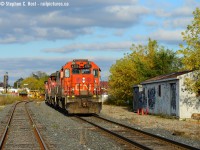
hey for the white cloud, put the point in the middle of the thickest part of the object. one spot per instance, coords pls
(127, 12)
(169, 36)
(177, 22)
(161, 13)
(109, 46)
(67, 23)
(172, 37)
(82, 17)
(151, 23)
(8, 39)
(119, 32)
(183, 11)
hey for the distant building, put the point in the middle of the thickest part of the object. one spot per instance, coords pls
(168, 95)
(104, 90)
(1, 89)
(12, 90)
(1, 84)
(104, 87)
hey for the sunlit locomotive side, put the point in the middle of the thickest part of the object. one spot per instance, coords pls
(76, 87)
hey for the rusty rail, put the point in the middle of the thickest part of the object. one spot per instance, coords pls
(36, 131)
(134, 136)
(7, 127)
(37, 134)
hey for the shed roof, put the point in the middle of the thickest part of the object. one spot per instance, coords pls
(166, 77)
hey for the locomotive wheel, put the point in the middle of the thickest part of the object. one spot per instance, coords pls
(56, 103)
(63, 103)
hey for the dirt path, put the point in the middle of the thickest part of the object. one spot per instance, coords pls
(188, 128)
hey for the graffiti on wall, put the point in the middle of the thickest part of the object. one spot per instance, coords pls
(173, 96)
(151, 96)
(145, 101)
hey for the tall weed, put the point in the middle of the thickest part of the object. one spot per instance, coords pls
(9, 99)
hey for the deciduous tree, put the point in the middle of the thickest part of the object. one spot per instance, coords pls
(191, 51)
(144, 62)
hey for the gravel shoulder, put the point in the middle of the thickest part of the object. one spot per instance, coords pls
(185, 131)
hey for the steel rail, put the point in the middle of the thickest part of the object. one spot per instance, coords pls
(7, 127)
(117, 135)
(149, 134)
(36, 131)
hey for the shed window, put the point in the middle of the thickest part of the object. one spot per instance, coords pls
(159, 90)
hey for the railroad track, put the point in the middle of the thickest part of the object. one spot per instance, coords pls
(132, 137)
(21, 131)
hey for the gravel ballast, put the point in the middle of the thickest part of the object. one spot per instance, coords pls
(65, 132)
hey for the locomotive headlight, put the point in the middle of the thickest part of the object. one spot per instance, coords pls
(83, 80)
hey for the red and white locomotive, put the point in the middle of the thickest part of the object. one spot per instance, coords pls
(75, 88)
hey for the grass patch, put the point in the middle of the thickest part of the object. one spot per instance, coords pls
(165, 116)
(9, 99)
(1, 108)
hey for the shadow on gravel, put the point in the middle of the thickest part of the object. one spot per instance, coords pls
(65, 113)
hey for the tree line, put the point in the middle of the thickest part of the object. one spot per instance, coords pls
(34, 82)
(147, 61)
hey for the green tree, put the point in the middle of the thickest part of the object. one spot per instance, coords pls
(191, 36)
(39, 75)
(17, 84)
(143, 58)
(191, 51)
(144, 62)
(35, 81)
(123, 76)
(166, 61)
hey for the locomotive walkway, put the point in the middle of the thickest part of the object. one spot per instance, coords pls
(20, 131)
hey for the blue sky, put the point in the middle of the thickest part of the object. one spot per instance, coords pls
(45, 38)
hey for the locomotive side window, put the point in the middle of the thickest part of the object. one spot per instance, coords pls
(95, 73)
(85, 71)
(75, 71)
(67, 73)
